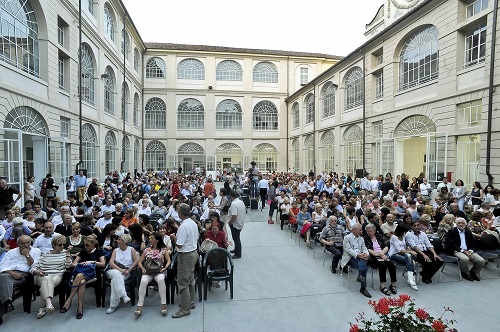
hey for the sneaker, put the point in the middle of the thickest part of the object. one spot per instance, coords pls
(111, 310)
(181, 313)
(126, 299)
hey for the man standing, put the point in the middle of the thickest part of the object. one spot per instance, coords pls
(93, 188)
(187, 238)
(236, 217)
(356, 255)
(253, 177)
(6, 199)
(81, 185)
(460, 242)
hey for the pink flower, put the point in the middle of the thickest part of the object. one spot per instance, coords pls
(421, 314)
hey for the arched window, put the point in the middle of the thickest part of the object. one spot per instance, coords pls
(266, 157)
(229, 70)
(415, 125)
(155, 68)
(136, 59)
(354, 89)
(265, 116)
(295, 115)
(353, 149)
(228, 115)
(328, 97)
(419, 59)
(265, 72)
(295, 155)
(309, 108)
(109, 91)
(190, 148)
(19, 36)
(137, 154)
(89, 150)
(110, 149)
(88, 92)
(309, 155)
(190, 114)
(89, 5)
(125, 43)
(155, 156)
(191, 69)
(136, 110)
(125, 101)
(109, 22)
(126, 148)
(327, 150)
(155, 115)
(26, 119)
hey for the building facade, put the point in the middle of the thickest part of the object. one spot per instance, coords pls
(415, 97)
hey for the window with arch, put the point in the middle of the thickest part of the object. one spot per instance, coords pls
(156, 68)
(155, 114)
(309, 108)
(295, 115)
(137, 154)
(191, 69)
(136, 59)
(26, 119)
(419, 59)
(309, 155)
(190, 148)
(265, 72)
(110, 149)
(89, 150)
(88, 85)
(89, 5)
(125, 101)
(125, 43)
(295, 155)
(328, 97)
(19, 36)
(228, 115)
(109, 22)
(354, 90)
(327, 150)
(109, 91)
(155, 156)
(353, 149)
(415, 125)
(136, 110)
(265, 116)
(229, 70)
(265, 156)
(126, 149)
(190, 114)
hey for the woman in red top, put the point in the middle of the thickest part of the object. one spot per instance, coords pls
(174, 189)
(294, 211)
(209, 188)
(214, 233)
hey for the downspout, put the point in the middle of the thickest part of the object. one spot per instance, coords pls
(364, 112)
(122, 164)
(314, 128)
(142, 116)
(287, 115)
(490, 94)
(80, 113)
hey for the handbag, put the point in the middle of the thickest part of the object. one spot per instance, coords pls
(152, 266)
(208, 244)
(88, 272)
(120, 265)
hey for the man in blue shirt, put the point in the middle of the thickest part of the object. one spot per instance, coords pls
(81, 185)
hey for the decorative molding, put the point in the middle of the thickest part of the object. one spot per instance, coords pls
(410, 4)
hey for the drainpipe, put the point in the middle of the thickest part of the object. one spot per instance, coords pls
(287, 115)
(122, 164)
(142, 117)
(490, 93)
(80, 113)
(364, 112)
(314, 128)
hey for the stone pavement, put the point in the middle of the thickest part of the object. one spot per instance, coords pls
(279, 286)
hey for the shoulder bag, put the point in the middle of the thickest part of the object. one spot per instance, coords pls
(152, 266)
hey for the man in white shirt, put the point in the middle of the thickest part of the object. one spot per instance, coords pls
(186, 243)
(14, 268)
(57, 220)
(44, 241)
(236, 217)
(107, 218)
(108, 206)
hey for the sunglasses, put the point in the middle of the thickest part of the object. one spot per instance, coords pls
(60, 244)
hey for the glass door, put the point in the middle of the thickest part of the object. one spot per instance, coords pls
(437, 150)
(11, 165)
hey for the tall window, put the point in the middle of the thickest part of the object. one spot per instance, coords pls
(265, 116)
(309, 108)
(125, 101)
(109, 22)
(228, 115)
(137, 154)
(295, 115)
(191, 69)
(266, 157)
(419, 59)
(155, 114)
(19, 36)
(65, 127)
(265, 72)
(327, 150)
(353, 149)
(304, 75)
(90, 148)
(109, 91)
(156, 156)
(468, 157)
(61, 29)
(475, 45)
(379, 84)
(89, 5)
(354, 90)
(125, 43)
(136, 59)
(110, 149)
(378, 129)
(328, 97)
(61, 72)
(475, 6)
(136, 110)
(126, 149)
(295, 155)
(88, 94)
(309, 155)
(190, 114)
(229, 70)
(469, 114)
(155, 68)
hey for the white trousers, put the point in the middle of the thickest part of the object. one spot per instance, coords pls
(117, 287)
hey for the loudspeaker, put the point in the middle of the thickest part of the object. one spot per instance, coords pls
(360, 173)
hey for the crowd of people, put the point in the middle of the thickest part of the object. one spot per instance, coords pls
(138, 222)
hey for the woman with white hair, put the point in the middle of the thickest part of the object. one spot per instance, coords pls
(123, 261)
